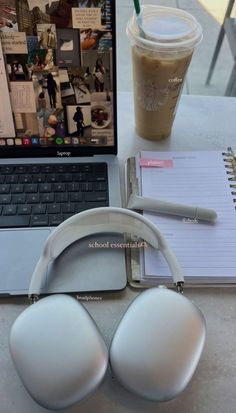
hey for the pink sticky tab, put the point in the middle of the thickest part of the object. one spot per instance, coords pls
(155, 163)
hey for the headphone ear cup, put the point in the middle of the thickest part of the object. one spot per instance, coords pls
(157, 345)
(58, 351)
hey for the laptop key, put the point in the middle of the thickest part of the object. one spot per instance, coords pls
(79, 177)
(100, 167)
(39, 209)
(86, 186)
(32, 198)
(97, 177)
(35, 169)
(47, 198)
(59, 187)
(5, 199)
(12, 179)
(20, 169)
(46, 168)
(76, 197)
(55, 219)
(25, 178)
(86, 168)
(54, 208)
(100, 178)
(67, 216)
(59, 168)
(8, 169)
(96, 196)
(4, 189)
(89, 205)
(31, 188)
(45, 187)
(39, 221)
(66, 178)
(24, 209)
(18, 198)
(14, 221)
(68, 208)
(61, 197)
(17, 189)
(73, 187)
(39, 178)
(74, 168)
(9, 210)
(100, 186)
(50, 193)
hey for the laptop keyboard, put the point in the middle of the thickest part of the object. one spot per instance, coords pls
(42, 195)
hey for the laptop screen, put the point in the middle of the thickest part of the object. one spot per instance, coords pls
(57, 77)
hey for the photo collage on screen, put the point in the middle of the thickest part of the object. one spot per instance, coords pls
(59, 63)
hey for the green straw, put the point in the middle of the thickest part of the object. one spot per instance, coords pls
(137, 6)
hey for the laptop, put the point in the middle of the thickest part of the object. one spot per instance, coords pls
(58, 138)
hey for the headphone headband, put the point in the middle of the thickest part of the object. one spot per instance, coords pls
(98, 220)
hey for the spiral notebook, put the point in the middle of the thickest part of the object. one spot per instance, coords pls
(206, 251)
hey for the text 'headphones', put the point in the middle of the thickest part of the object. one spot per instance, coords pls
(59, 352)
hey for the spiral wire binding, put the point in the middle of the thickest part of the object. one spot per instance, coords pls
(230, 165)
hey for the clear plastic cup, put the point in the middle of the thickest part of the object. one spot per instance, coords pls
(161, 53)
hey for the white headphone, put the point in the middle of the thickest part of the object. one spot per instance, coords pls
(58, 350)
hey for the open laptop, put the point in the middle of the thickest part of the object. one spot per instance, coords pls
(58, 136)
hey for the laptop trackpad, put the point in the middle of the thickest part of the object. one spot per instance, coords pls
(19, 254)
(95, 263)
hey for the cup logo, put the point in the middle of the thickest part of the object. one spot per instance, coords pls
(150, 96)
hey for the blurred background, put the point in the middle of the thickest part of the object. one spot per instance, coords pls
(214, 16)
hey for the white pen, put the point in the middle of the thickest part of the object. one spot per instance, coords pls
(170, 208)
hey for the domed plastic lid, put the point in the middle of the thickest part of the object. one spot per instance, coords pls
(164, 28)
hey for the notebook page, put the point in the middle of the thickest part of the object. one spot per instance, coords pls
(204, 250)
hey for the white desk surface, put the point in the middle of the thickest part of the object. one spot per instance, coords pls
(201, 123)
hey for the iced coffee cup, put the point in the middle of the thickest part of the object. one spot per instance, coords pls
(162, 40)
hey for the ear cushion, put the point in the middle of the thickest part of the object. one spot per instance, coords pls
(157, 345)
(58, 351)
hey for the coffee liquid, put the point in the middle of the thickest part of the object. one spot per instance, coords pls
(158, 82)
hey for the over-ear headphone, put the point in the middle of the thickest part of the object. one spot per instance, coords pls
(58, 350)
